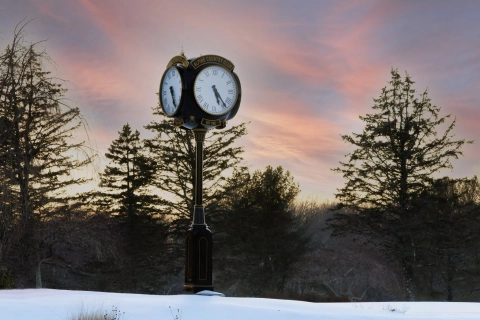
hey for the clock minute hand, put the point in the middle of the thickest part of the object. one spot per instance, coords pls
(173, 96)
(217, 95)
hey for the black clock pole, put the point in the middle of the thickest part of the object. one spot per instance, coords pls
(186, 96)
(198, 250)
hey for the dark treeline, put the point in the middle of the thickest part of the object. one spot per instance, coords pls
(396, 232)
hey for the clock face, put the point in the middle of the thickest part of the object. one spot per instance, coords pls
(215, 90)
(171, 91)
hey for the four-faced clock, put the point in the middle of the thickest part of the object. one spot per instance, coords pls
(171, 91)
(215, 90)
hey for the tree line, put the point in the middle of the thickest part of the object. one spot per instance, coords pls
(396, 230)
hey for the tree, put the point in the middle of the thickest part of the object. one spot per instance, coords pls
(128, 194)
(128, 177)
(257, 231)
(37, 154)
(337, 268)
(450, 237)
(395, 160)
(173, 150)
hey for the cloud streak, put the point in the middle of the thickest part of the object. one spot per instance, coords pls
(308, 71)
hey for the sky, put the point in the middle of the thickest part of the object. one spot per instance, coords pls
(47, 304)
(308, 69)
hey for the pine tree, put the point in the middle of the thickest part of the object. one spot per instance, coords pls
(173, 150)
(128, 177)
(450, 236)
(37, 154)
(257, 233)
(128, 194)
(395, 160)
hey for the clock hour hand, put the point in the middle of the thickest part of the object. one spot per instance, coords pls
(219, 98)
(173, 96)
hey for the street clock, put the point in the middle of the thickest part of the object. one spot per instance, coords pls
(201, 92)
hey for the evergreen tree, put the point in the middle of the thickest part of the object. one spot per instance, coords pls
(173, 150)
(128, 194)
(37, 154)
(395, 159)
(259, 236)
(450, 237)
(127, 178)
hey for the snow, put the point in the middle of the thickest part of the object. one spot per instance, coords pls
(210, 293)
(48, 304)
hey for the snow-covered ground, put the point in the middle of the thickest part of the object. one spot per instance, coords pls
(46, 304)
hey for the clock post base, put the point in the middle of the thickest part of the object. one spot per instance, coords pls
(192, 289)
(198, 262)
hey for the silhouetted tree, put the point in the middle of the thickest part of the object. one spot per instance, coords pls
(37, 154)
(173, 150)
(450, 230)
(128, 194)
(258, 236)
(394, 161)
(127, 179)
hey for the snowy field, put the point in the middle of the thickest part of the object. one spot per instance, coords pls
(45, 304)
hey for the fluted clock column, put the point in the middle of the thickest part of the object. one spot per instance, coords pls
(198, 249)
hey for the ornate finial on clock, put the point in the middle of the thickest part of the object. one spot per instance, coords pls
(182, 53)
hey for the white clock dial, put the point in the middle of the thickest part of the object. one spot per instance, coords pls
(215, 90)
(171, 91)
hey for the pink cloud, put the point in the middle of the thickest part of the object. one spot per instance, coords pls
(308, 146)
(344, 50)
(99, 81)
(47, 11)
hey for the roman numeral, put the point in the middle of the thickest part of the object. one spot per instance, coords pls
(228, 101)
(206, 105)
(230, 91)
(228, 82)
(207, 74)
(215, 72)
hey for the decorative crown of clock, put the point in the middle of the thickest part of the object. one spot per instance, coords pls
(201, 92)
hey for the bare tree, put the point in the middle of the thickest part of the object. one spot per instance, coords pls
(36, 148)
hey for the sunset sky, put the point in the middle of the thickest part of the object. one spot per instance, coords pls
(308, 69)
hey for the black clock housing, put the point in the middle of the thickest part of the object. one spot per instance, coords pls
(189, 115)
